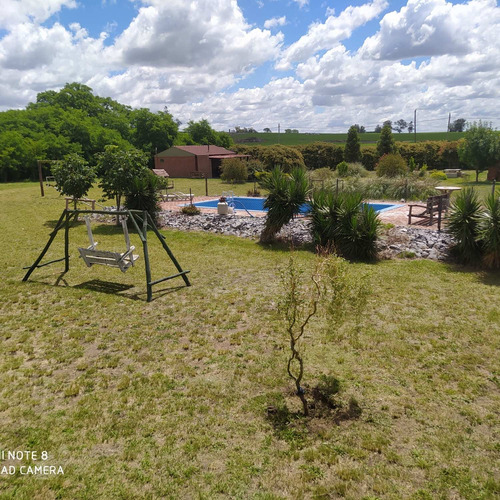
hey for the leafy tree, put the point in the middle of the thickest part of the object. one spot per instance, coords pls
(352, 151)
(458, 125)
(73, 176)
(386, 144)
(287, 192)
(153, 132)
(480, 148)
(118, 168)
(360, 129)
(202, 133)
(387, 123)
(401, 125)
(410, 127)
(267, 130)
(378, 129)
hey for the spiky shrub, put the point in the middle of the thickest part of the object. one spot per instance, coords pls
(464, 224)
(142, 193)
(287, 192)
(489, 232)
(342, 169)
(345, 224)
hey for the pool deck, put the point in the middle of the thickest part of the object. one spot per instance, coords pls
(397, 216)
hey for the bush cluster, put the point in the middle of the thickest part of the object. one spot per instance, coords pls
(476, 229)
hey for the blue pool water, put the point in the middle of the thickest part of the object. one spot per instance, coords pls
(257, 205)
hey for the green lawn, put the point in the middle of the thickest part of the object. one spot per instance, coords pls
(168, 399)
(269, 139)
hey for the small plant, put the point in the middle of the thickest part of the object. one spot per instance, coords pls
(326, 289)
(253, 192)
(438, 175)
(391, 165)
(190, 210)
(412, 166)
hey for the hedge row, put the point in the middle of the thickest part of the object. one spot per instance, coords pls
(435, 154)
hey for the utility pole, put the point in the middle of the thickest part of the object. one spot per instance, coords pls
(278, 133)
(415, 125)
(448, 129)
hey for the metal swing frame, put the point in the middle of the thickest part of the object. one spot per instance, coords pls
(141, 220)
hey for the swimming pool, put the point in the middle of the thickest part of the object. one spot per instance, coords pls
(257, 204)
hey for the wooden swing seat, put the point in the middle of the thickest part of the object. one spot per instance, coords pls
(123, 260)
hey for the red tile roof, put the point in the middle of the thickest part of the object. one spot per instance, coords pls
(204, 150)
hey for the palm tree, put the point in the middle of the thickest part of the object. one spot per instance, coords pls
(287, 192)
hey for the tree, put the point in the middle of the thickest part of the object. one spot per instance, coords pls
(118, 169)
(400, 125)
(410, 127)
(387, 123)
(378, 129)
(73, 176)
(352, 151)
(386, 143)
(480, 148)
(360, 129)
(153, 132)
(267, 130)
(457, 125)
(286, 157)
(202, 133)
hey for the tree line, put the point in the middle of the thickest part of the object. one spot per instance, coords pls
(74, 120)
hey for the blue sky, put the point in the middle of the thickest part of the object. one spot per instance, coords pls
(318, 66)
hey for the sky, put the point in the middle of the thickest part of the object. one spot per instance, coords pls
(314, 66)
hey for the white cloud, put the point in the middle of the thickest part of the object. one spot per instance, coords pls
(275, 21)
(37, 11)
(433, 27)
(324, 35)
(196, 35)
(302, 3)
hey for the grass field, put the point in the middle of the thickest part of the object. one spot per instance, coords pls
(168, 399)
(268, 139)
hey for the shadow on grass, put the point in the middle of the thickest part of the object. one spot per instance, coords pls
(489, 277)
(52, 224)
(118, 289)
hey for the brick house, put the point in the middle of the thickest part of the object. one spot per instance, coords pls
(193, 161)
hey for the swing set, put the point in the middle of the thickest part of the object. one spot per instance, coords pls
(141, 220)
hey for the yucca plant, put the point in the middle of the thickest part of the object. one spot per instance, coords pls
(142, 193)
(464, 225)
(489, 232)
(287, 193)
(345, 224)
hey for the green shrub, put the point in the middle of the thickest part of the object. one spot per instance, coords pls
(356, 170)
(342, 169)
(464, 225)
(489, 232)
(345, 224)
(391, 165)
(190, 210)
(234, 170)
(142, 194)
(438, 175)
(321, 174)
(369, 158)
(287, 158)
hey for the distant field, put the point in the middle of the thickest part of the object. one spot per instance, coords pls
(368, 138)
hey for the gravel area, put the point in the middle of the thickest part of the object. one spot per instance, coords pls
(401, 240)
